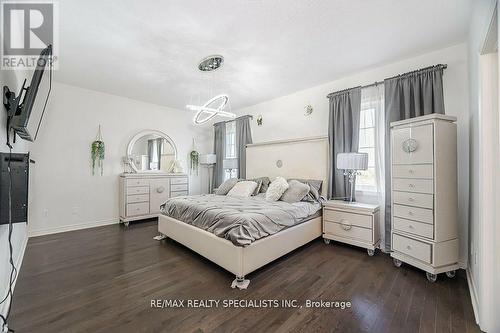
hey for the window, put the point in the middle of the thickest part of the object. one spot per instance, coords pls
(371, 139)
(230, 149)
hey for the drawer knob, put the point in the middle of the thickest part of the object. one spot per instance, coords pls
(411, 199)
(408, 247)
(345, 225)
(411, 185)
(410, 213)
(160, 189)
(411, 226)
(411, 171)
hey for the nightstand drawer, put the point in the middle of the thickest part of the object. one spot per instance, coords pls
(413, 227)
(141, 208)
(348, 231)
(413, 248)
(179, 181)
(179, 187)
(414, 213)
(413, 171)
(337, 216)
(137, 198)
(413, 199)
(137, 182)
(137, 190)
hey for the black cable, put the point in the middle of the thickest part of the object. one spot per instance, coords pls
(13, 272)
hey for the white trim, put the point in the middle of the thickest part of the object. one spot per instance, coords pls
(71, 227)
(277, 142)
(473, 295)
(5, 306)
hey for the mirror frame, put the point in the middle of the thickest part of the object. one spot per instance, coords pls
(140, 135)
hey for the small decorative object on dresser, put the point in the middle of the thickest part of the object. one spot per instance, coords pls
(352, 223)
(424, 194)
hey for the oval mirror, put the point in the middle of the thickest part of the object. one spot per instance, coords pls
(151, 151)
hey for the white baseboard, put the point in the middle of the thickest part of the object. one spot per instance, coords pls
(71, 227)
(473, 295)
(5, 306)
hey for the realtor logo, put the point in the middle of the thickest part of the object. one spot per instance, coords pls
(28, 28)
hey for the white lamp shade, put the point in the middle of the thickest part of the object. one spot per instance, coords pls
(230, 163)
(208, 159)
(352, 161)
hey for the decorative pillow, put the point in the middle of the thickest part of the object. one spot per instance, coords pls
(296, 192)
(243, 189)
(314, 189)
(265, 184)
(276, 189)
(225, 187)
(259, 185)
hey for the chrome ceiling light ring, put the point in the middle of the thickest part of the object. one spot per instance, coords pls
(211, 63)
(207, 111)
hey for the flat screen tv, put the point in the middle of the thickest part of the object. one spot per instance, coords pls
(26, 120)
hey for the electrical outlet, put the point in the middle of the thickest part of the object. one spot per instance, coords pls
(75, 211)
(45, 213)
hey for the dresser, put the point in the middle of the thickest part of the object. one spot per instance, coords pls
(142, 194)
(424, 194)
(352, 223)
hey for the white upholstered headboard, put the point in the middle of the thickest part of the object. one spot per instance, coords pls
(300, 158)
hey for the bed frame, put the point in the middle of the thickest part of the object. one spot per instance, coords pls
(300, 158)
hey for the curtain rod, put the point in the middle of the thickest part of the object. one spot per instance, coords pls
(228, 121)
(442, 66)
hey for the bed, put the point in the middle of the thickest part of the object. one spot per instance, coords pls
(302, 158)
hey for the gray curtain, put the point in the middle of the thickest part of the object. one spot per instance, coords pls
(243, 137)
(343, 136)
(219, 147)
(409, 95)
(159, 143)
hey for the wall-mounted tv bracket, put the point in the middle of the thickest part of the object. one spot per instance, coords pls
(11, 103)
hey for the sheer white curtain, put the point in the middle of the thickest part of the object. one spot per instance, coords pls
(373, 98)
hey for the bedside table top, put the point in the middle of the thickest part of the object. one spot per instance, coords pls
(341, 204)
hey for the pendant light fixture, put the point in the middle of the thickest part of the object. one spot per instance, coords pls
(215, 105)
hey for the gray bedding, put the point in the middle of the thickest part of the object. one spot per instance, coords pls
(240, 220)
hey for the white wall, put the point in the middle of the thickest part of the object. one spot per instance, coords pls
(67, 195)
(283, 118)
(479, 269)
(13, 79)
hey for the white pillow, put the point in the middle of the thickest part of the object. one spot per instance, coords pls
(276, 189)
(243, 189)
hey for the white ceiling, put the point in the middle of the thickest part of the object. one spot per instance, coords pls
(149, 50)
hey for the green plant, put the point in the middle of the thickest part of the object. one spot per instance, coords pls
(194, 161)
(97, 153)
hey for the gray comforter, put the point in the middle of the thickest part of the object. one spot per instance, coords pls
(240, 220)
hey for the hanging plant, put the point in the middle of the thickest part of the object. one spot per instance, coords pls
(194, 158)
(97, 153)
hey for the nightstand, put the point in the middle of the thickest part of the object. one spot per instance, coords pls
(352, 223)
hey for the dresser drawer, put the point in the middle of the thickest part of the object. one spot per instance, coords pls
(137, 198)
(348, 231)
(140, 208)
(178, 194)
(182, 180)
(413, 171)
(414, 213)
(413, 248)
(413, 185)
(137, 190)
(413, 199)
(137, 182)
(421, 138)
(413, 227)
(359, 220)
(178, 187)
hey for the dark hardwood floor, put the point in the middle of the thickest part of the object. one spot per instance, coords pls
(103, 280)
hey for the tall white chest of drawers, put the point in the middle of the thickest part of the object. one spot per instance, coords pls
(424, 194)
(142, 194)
